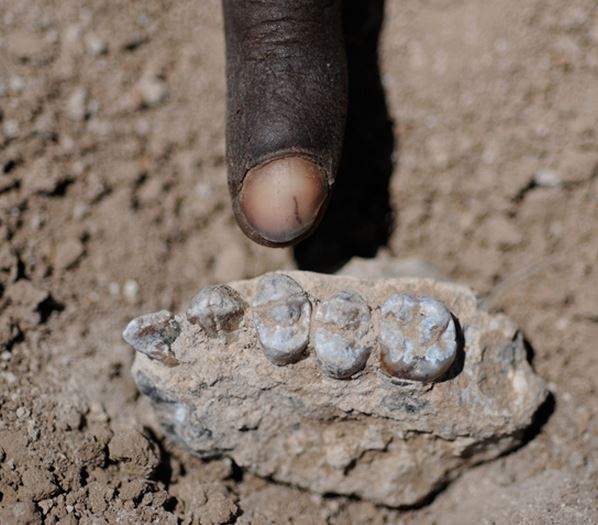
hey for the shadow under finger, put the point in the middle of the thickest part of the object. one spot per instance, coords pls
(359, 218)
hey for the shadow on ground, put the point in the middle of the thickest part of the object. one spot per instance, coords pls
(359, 218)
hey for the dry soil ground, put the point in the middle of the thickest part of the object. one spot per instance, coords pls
(113, 202)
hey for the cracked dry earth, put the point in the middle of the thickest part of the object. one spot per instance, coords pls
(113, 203)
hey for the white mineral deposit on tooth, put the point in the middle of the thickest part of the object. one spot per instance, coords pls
(218, 309)
(153, 335)
(281, 314)
(340, 341)
(418, 339)
(387, 441)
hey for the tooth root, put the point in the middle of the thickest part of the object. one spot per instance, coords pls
(281, 314)
(417, 337)
(153, 335)
(340, 340)
(217, 309)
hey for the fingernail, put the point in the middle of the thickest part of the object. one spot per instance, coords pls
(282, 198)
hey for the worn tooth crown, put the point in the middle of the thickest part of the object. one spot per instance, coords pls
(153, 335)
(281, 315)
(417, 337)
(416, 334)
(340, 338)
(217, 309)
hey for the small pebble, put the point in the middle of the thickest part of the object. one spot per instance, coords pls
(33, 430)
(16, 84)
(68, 254)
(95, 45)
(22, 412)
(45, 505)
(152, 90)
(97, 413)
(131, 290)
(11, 129)
(547, 178)
(9, 378)
(80, 210)
(76, 106)
(72, 34)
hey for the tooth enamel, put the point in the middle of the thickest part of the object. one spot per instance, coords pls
(417, 337)
(340, 338)
(338, 422)
(281, 315)
(217, 309)
(153, 335)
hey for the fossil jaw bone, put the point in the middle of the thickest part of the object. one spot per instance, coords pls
(416, 335)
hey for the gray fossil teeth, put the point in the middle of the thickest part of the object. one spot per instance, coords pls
(417, 337)
(217, 309)
(340, 339)
(281, 314)
(153, 335)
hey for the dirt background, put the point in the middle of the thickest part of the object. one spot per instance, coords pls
(113, 202)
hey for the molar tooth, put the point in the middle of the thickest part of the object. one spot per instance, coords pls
(217, 309)
(340, 339)
(281, 315)
(153, 335)
(417, 337)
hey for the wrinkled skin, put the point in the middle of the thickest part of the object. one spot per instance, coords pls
(288, 82)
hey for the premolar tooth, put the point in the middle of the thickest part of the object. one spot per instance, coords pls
(153, 335)
(340, 340)
(281, 314)
(217, 309)
(417, 337)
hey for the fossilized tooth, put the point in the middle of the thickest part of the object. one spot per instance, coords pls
(153, 335)
(281, 315)
(217, 309)
(369, 438)
(417, 337)
(340, 338)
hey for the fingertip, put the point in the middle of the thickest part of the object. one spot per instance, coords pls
(281, 200)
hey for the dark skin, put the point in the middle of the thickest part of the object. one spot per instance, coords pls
(286, 111)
